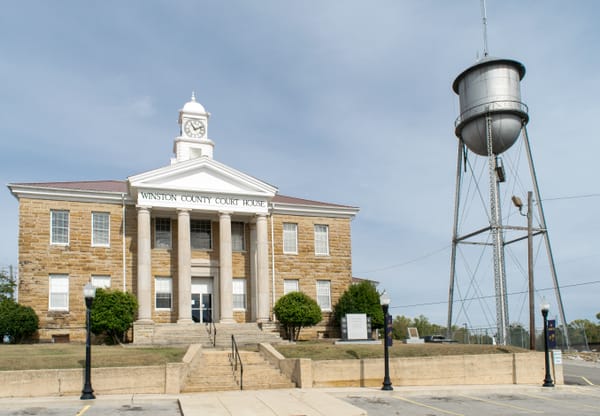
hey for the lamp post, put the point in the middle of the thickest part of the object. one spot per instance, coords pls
(547, 379)
(384, 299)
(89, 293)
(519, 204)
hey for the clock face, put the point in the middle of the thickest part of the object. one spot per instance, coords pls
(194, 128)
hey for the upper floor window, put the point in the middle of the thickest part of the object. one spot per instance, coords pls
(59, 230)
(321, 240)
(58, 299)
(162, 233)
(237, 236)
(201, 234)
(100, 229)
(290, 238)
(324, 294)
(101, 281)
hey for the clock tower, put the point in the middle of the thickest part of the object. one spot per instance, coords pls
(193, 141)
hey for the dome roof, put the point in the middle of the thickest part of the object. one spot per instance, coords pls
(193, 107)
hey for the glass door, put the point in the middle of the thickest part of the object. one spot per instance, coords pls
(202, 299)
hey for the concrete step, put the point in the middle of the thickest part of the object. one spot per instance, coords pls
(214, 373)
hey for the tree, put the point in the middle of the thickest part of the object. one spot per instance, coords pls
(7, 286)
(295, 311)
(400, 327)
(113, 313)
(17, 321)
(360, 298)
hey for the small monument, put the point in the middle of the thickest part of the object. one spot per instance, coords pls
(356, 329)
(413, 336)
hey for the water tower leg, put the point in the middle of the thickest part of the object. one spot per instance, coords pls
(459, 158)
(497, 241)
(536, 190)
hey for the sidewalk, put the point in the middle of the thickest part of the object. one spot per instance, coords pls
(351, 401)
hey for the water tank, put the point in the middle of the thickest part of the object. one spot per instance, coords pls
(491, 86)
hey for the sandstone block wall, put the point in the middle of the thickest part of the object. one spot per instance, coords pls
(38, 259)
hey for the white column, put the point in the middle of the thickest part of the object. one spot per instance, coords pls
(184, 267)
(262, 269)
(225, 277)
(144, 266)
(253, 274)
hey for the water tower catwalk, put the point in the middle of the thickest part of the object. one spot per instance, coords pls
(492, 118)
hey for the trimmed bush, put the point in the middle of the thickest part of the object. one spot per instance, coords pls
(113, 313)
(360, 298)
(295, 311)
(17, 321)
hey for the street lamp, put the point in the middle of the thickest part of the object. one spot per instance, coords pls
(519, 204)
(89, 293)
(384, 299)
(545, 308)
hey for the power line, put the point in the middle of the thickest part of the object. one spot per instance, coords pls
(593, 282)
(559, 198)
(416, 259)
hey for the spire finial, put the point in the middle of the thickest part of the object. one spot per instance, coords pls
(193, 95)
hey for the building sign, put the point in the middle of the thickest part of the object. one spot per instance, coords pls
(203, 201)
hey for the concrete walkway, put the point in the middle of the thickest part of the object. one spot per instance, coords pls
(309, 402)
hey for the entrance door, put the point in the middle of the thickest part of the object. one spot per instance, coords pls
(202, 299)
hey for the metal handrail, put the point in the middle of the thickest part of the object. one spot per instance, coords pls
(235, 359)
(211, 328)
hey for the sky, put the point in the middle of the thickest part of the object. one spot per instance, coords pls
(348, 102)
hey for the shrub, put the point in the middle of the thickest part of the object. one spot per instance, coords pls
(17, 321)
(113, 313)
(296, 310)
(360, 298)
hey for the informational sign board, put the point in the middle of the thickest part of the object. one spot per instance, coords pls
(557, 354)
(357, 326)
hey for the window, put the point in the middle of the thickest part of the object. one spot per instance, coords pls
(237, 236)
(59, 292)
(100, 229)
(290, 285)
(59, 233)
(163, 289)
(239, 293)
(162, 233)
(324, 294)
(201, 234)
(290, 238)
(321, 240)
(101, 281)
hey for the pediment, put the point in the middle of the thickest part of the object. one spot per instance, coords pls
(202, 175)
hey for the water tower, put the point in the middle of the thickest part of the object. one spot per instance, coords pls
(492, 118)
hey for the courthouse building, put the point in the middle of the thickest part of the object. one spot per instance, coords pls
(195, 241)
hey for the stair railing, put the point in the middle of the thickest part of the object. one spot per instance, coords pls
(236, 361)
(211, 328)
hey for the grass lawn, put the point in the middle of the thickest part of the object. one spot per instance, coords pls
(329, 351)
(45, 356)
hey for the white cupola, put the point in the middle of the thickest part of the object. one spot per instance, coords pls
(193, 141)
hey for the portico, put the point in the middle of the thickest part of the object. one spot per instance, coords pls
(197, 190)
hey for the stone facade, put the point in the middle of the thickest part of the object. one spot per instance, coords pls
(38, 259)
